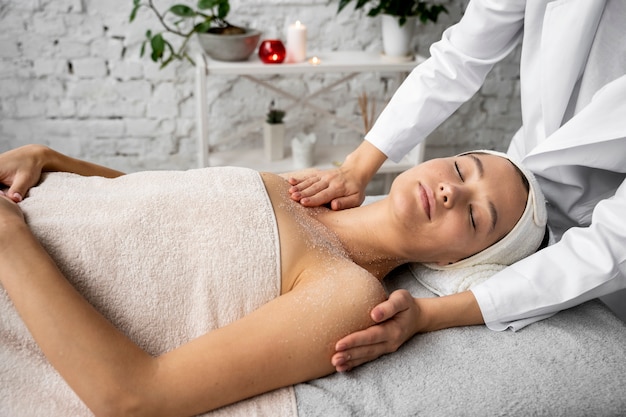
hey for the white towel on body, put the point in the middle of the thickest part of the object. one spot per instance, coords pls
(165, 256)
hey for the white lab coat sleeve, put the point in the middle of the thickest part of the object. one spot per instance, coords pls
(586, 263)
(458, 66)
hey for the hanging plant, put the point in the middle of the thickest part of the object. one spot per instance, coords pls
(426, 11)
(209, 16)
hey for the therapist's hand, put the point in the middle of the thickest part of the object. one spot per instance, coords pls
(342, 187)
(20, 169)
(398, 320)
(335, 186)
(401, 317)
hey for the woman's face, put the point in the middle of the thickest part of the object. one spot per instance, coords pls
(455, 207)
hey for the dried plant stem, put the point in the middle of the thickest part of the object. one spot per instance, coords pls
(368, 111)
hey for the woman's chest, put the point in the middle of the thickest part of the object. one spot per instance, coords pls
(305, 243)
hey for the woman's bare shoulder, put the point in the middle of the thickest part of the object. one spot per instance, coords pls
(274, 180)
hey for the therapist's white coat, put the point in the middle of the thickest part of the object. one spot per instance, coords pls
(581, 164)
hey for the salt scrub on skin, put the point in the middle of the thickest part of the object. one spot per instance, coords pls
(315, 297)
(318, 236)
(338, 277)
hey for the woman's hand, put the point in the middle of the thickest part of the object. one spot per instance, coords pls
(398, 320)
(10, 213)
(20, 169)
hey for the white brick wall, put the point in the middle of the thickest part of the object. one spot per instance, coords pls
(71, 78)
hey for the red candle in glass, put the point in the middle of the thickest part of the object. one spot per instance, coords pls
(272, 51)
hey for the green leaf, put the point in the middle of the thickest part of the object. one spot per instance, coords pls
(158, 46)
(342, 4)
(202, 27)
(223, 9)
(182, 10)
(207, 4)
(361, 3)
(143, 49)
(375, 11)
(133, 13)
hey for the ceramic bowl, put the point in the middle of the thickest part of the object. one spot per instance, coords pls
(230, 47)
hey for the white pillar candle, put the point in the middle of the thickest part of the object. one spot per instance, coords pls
(296, 42)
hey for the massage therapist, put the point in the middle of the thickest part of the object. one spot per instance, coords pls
(573, 137)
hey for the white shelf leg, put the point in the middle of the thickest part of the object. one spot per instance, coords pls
(202, 109)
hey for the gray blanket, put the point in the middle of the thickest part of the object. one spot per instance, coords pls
(573, 364)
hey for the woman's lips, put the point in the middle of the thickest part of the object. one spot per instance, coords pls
(428, 200)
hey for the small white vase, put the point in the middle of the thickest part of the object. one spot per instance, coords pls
(274, 141)
(303, 150)
(397, 39)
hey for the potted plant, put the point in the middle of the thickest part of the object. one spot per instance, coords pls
(274, 133)
(398, 20)
(220, 39)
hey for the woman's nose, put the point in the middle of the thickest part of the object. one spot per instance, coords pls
(449, 194)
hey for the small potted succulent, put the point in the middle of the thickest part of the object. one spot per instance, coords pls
(274, 133)
(398, 20)
(219, 39)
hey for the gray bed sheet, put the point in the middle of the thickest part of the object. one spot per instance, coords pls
(572, 364)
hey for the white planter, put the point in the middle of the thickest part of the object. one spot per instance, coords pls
(274, 141)
(397, 39)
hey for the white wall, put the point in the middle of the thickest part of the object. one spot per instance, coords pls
(71, 78)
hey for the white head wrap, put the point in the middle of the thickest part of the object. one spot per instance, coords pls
(523, 240)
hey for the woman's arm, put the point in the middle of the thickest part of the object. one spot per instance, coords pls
(21, 168)
(400, 318)
(71, 333)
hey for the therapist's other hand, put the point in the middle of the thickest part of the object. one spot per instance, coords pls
(20, 169)
(337, 186)
(401, 317)
(398, 319)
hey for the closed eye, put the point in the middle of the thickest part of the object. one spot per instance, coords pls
(471, 210)
(458, 171)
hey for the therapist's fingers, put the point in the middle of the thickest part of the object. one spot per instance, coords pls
(395, 317)
(359, 348)
(350, 201)
(297, 177)
(398, 301)
(340, 195)
(307, 187)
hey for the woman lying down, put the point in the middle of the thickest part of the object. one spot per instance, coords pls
(176, 293)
